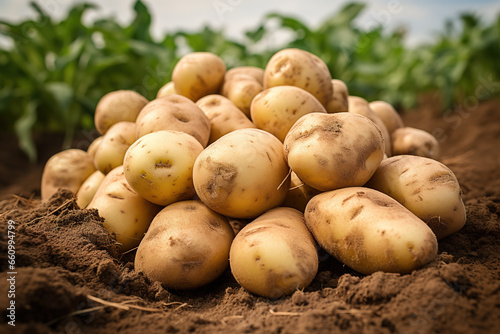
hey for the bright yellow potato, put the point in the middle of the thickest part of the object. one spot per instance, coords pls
(113, 146)
(387, 114)
(299, 194)
(369, 231)
(167, 89)
(339, 101)
(275, 254)
(89, 188)
(413, 141)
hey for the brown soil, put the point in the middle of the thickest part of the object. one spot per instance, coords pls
(64, 258)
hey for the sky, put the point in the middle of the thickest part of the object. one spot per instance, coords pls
(421, 18)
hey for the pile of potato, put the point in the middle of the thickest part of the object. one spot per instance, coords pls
(281, 157)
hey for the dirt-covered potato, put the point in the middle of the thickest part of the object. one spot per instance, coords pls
(243, 174)
(198, 74)
(113, 146)
(89, 188)
(159, 166)
(126, 214)
(295, 67)
(387, 114)
(67, 169)
(241, 90)
(93, 146)
(117, 106)
(369, 231)
(299, 193)
(255, 72)
(275, 254)
(224, 116)
(186, 246)
(339, 101)
(174, 112)
(331, 151)
(167, 89)
(413, 141)
(276, 109)
(426, 187)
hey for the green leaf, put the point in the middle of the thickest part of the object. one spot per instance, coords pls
(23, 127)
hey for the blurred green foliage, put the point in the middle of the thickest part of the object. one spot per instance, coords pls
(55, 72)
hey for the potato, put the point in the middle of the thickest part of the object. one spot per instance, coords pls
(369, 231)
(120, 105)
(89, 188)
(339, 101)
(224, 116)
(413, 141)
(115, 143)
(126, 214)
(241, 90)
(275, 254)
(174, 112)
(276, 109)
(387, 114)
(67, 169)
(243, 174)
(167, 89)
(93, 146)
(186, 246)
(426, 187)
(330, 151)
(198, 74)
(159, 166)
(295, 67)
(299, 194)
(255, 72)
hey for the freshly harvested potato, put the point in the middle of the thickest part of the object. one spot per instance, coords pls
(330, 151)
(67, 169)
(167, 89)
(198, 74)
(186, 246)
(275, 254)
(115, 143)
(413, 141)
(89, 188)
(255, 72)
(224, 116)
(117, 106)
(339, 101)
(426, 187)
(369, 231)
(159, 166)
(93, 146)
(243, 174)
(276, 109)
(387, 114)
(241, 90)
(295, 67)
(299, 194)
(174, 112)
(126, 214)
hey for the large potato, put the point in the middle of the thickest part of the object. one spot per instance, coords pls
(117, 106)
(275, 254)
(243, 174)
(159, 166)
(241, 90)
(330, 151)
(174, 112)
(426, 187)
(369, 231)
(413, 141)
(198, 74)
(67, 169)
(295, 67)
(299, 193)
(276, 109)
(113, 146)
(186, 246)
(387, 114)
(89, 188)
(126, 214)
(339, 101)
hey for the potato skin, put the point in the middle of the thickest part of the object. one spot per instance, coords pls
(186, 246)
(167, 89)
(411, 141)
(89, 188)
(387, 114)
(299, 193)
(275, 254)
(241, 90)
(339, 101)
(369, 231)
(256, 73)
(94, 145)
(426, 187)
(113, 146)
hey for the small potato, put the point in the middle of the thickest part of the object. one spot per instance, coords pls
(299, 194)
(117, 106)
(174, 112)
(186, 246)
(369, 231)
(115, 143)
(295, 67)
(331, 151)
(67, 169)
(243, 174)
(224, 116)
(413, 141)
(159, 166)
(276, 109)
(89, 188)
(255, 72)
(339, 101)
(167, 89)
(275, 254)
(93, 146)
(241, 90)
(126, 214)
(426, 187)
(198, 74)
(387, 114)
